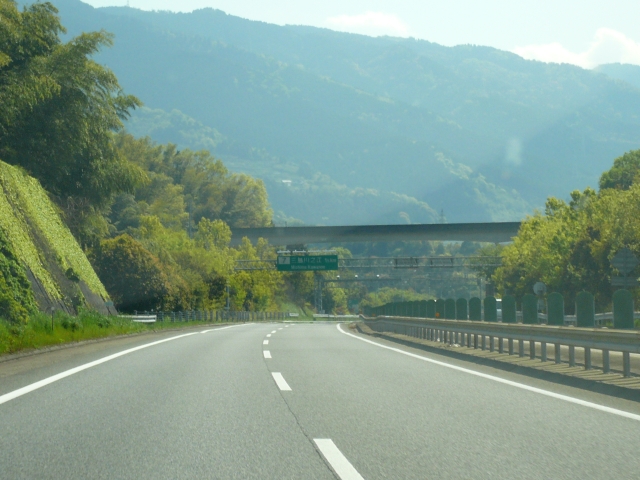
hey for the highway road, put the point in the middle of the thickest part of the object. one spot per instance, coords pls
(298, 401)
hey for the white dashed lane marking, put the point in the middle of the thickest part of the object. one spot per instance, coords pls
(337, 460)
(267, 353)
(281, 382)
(265, 342)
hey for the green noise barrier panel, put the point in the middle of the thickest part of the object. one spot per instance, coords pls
(422, 310)
(585, 310)
(509, 314)
(475, 309)
(461, 309)
(530, 309)
(431, 309)
(555, 309)
(623, 309)
(415, 312)
(490, 309)
(440, 308)
(450, 309)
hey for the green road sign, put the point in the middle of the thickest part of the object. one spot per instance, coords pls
(307, 263)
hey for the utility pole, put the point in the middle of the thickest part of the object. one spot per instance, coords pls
(318, 292)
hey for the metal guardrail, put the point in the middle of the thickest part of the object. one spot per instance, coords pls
(205, 316)
(140, 318)
(475, 334)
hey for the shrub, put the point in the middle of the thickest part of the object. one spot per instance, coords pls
(71, 323)
(134, 277)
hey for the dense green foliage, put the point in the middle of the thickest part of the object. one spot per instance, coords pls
(571, 245)
(133, 276)
(185, 187)
(58, 109)
(382, 125)
(624, 172)
(388, 295)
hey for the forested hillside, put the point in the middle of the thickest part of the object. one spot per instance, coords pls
(152, 220)
(392, 129)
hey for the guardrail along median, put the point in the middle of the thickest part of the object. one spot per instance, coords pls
(480, 324)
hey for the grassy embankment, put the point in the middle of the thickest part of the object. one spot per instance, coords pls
(88, 325)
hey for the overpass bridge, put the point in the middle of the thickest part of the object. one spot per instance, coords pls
(495, 232)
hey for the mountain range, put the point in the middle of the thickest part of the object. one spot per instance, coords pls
(350, 129)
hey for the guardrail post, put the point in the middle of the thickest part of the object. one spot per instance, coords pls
(606, 366)
(500, 345)
(557, 353)
(587, 358)
(484, 342)
(626, 364)
(572, 356)
(475, 340)
(521, 348)
(532, 349)
(543, 351)
(511, 346)
(491, 344)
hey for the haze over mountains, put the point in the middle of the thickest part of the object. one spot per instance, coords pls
(368, 130)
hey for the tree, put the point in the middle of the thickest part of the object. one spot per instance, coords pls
(58, 112)
(187, 186)
(134, 278)
(624, 172)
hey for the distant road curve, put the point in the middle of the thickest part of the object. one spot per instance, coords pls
(496, 232)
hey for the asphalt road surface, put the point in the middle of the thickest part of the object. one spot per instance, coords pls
(303, 401)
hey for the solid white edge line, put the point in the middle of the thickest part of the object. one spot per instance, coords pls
(265, 342)
(281, 382)
(522, 386)
(337, 460)
(266, 353)
(67, 373)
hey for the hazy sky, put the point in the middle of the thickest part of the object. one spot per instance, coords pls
(583, 32)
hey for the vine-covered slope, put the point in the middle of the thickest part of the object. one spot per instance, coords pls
(41, 247)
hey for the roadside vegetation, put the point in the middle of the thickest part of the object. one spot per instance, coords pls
(570, 246)
(37, 332)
